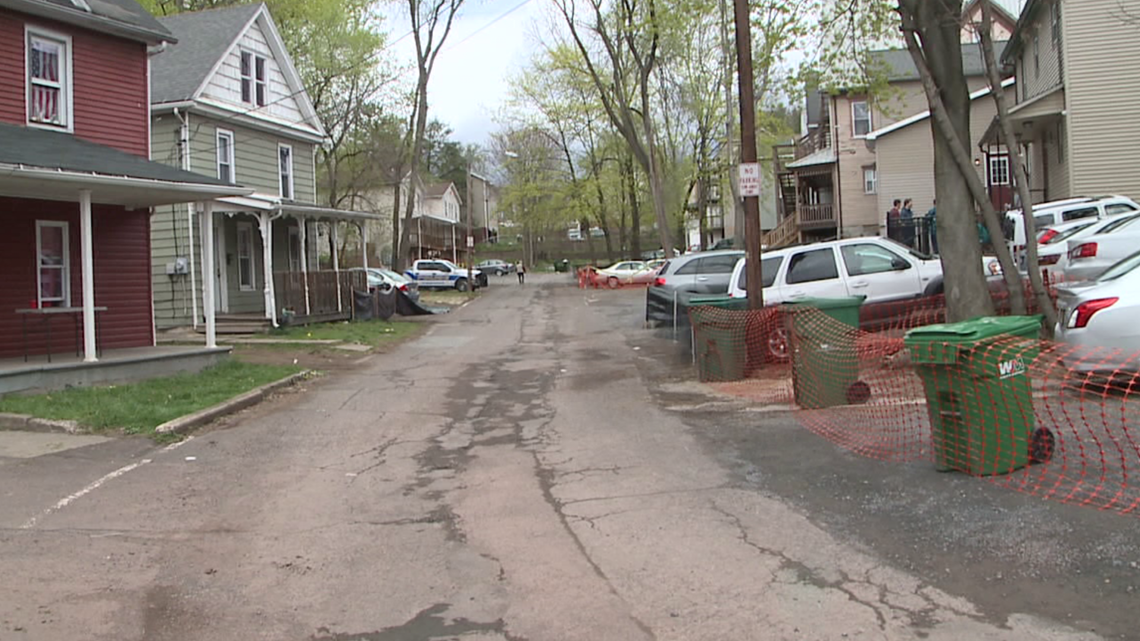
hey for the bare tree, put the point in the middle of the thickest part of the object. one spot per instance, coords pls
(431, 23)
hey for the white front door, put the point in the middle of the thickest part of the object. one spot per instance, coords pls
(221, 289)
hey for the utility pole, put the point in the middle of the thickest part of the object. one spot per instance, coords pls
(730, 155)
(470, 234)
(753, 276)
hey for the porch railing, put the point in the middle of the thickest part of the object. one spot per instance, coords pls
(786, 233)
(819, 138)
(817, 216)
(289, 288)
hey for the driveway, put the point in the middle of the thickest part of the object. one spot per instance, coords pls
(535, 467)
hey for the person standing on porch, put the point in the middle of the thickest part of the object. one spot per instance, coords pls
(893, 220)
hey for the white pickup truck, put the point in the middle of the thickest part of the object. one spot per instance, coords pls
(444, 274)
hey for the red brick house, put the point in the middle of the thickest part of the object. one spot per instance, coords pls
(76, 182)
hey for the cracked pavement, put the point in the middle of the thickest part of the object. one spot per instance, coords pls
(514, 474)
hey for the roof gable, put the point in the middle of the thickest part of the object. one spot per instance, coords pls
(207, 70)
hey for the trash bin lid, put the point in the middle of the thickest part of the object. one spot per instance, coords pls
(839, 302)
(976, 330)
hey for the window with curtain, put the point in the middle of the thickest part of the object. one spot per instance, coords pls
(53, 264)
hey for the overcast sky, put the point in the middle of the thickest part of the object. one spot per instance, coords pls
(491, 41)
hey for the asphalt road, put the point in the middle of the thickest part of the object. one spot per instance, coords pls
(536, 467)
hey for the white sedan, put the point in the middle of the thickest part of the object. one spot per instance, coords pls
(1098, 318)
(1091, 255)
(623, 273)
(1053, 245)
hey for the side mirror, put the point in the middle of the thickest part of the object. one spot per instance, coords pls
(899, 264)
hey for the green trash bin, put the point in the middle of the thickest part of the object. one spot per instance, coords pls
(980, 400)
(718, 338)
(825, 362)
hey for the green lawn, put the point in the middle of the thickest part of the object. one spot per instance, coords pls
(373, 332)
(138, 408)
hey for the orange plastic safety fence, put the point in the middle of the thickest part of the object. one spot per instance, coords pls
(1053, 420)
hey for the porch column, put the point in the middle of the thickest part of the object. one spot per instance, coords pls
(265, 225)
(334, 229)
(193, 263)
(419, 239)
(206, 220)
(363, 245)
(305, 259)
(454, 249)
(88, 266)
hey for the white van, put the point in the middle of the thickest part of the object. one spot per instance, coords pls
(1061, 211)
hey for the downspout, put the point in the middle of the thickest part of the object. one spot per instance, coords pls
(838, 173)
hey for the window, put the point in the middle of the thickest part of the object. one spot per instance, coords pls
(1055, 21)
(687, 269)
(718, 264)
(861, 118)
(226, 155)
(295, 249)
(245, 257)
(285, 169)
(49, 80)
(870, 180)
(769, 267)
(1036, 57)
(867, 259)
(1077, 214)
(999, 170)
(1117, 225)
(811, 266)
(53, 258)
(253, 84)
(1119, 208)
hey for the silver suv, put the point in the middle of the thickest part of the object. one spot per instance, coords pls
(698, 273)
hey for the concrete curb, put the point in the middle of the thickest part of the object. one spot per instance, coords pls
(184, 424)
(28, 423)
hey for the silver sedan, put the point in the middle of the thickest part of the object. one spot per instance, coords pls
(1098, 319)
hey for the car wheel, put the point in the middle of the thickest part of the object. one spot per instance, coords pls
(461, 285)
(501, 272)
(778, 345)
(612, 282)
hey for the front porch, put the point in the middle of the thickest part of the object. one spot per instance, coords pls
(113, 366)
(805, 177)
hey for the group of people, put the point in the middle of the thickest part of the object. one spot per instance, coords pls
(903, 227)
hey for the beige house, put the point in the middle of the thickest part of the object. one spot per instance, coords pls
(905, 156)
(829, 179)
(1077, 77)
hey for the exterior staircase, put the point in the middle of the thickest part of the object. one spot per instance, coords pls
(786, 233)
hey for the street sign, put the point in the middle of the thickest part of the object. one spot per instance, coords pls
(470, 241)
(750, 179)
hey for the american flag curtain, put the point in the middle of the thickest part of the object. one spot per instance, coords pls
(46, 85)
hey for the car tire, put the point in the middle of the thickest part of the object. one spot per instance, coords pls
(776, 345)
(500, 272)
(462, 285)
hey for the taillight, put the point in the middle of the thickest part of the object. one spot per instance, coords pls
(1047, 236)
(1084, 312)
(1087, 250)
(1051, 259)
(404, 287)
(659, 281)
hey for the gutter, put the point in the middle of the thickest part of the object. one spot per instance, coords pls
(101, 180)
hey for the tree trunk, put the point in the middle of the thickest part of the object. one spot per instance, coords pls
(634, 215)
(414, 164)
(1020, 179)
(957, 186)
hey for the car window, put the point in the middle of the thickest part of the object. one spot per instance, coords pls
(811, 266)
(1118, 208)
(769, 267)
(865, 258)
(1067, 233)
(717, 264)
(1120, 269)
(1117, 225)
(1084, 212)
(1044, 220)
(688, 268)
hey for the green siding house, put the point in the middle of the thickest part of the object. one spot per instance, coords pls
(226, 101)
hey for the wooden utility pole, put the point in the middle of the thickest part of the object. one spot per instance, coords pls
(748, 156)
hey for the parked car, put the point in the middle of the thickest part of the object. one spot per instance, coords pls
(496, 267)
(697, 273)
(386, 279)
(1089, 256)
(1098, 318)
(1061, 211)
(879, 268)
(1053, 243)
(622, 272)
(445, 274)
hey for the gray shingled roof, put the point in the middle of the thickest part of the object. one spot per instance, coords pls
(899, 66)
(203, 38)
(124, 13)
(53, 150)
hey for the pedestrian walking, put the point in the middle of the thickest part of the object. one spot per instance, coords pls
(932, 227)
(522, 273)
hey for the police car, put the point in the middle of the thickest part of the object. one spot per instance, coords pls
(444, 274)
